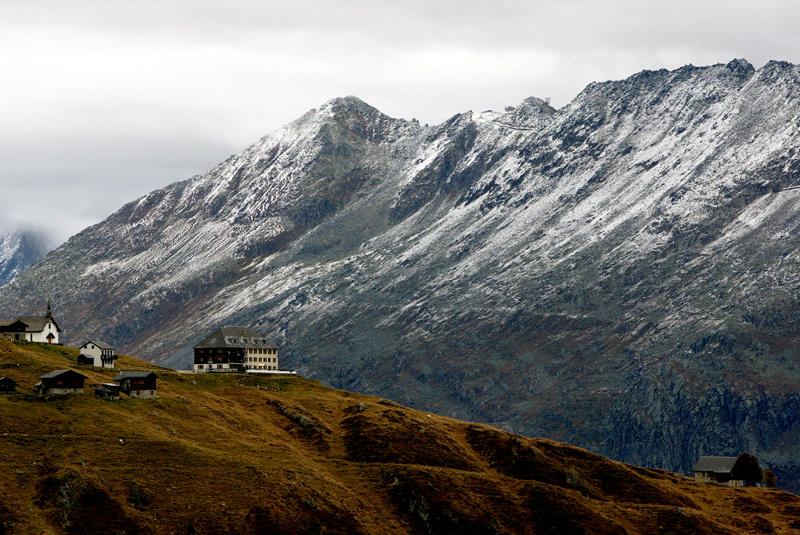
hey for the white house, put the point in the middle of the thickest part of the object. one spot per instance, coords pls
(98, 354)
(42, 329)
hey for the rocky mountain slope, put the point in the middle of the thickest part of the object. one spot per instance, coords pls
(18, 250)
(239, 454)
(621, 273)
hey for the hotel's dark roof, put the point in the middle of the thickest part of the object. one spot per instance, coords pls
(235, 337)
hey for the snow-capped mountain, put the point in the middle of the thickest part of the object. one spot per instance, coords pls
(621, 273)
(18, 250)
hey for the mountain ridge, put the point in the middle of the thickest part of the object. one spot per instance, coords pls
(601, 273)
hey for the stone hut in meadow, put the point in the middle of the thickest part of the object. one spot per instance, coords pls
(715, 469)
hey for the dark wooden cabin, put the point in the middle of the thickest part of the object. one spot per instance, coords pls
(7, 384)
(13, 330)
(137, 384)
(715, 469)
(61, 382)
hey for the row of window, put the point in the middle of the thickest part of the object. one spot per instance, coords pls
(250, 366)
(262, 359)
(254, 341)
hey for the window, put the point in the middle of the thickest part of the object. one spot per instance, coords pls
(245, 340)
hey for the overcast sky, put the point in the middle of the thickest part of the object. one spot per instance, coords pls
(102, 101)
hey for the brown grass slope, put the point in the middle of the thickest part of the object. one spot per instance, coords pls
(251, 455)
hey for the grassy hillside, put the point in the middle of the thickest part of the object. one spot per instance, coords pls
(242, 454)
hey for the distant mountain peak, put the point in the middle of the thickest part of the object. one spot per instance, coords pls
(347, 102)
(349, 106)
(19, 249)
(740, 65)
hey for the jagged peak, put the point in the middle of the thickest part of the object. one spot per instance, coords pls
(774, 70)
(349, 101)
(350, 105)
(775, 64)
(536, 104)
(740, 65)
(358, 115)
(731, 75)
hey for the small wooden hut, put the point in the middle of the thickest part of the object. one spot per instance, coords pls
(137, 384)
(61, 382)
(7, 384)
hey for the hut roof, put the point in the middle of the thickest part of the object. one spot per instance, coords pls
(98, 343)
(36, 324)
(56, 373)
(134, 374)
(718, 465)
(13, 326)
